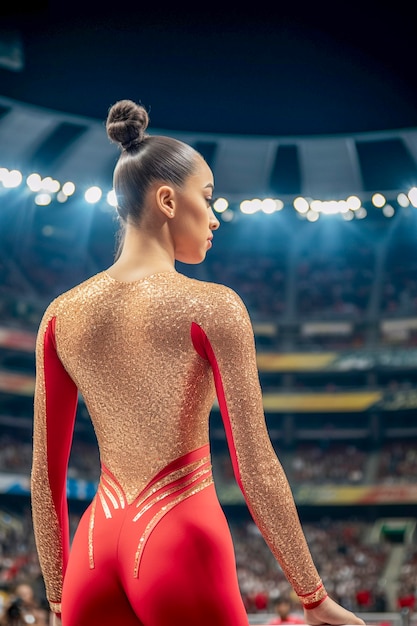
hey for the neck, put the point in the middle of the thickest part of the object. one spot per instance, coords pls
(144, 252)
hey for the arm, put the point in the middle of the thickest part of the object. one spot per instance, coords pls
(55, 406)
(228, 343)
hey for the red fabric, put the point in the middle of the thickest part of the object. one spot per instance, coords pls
(408, 601)
(261, 601)
(61, 405)
(187, 571)
(364, 597)
(205, 350)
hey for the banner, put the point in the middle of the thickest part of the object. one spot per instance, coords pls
(18, 384)
(334, 495)
(20, 484)
(17, 339)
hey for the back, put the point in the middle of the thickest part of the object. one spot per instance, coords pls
(128, 348)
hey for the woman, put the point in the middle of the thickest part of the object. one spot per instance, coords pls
(148, 349)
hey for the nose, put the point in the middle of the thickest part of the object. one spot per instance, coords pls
(214, 222)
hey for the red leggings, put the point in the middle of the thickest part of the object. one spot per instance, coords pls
(167, 559)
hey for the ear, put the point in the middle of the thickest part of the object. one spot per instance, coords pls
(165, 200)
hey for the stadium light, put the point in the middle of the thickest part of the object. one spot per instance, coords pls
(68, 188)
(111, 198)
(412, 195)
(348, 216)
(403, 200)
(250, 206)
(220, 205)
(269, 206)
(34, 182)
(301, 205)
(378, 200)
(10, 179)
(354, 203)
(93, 194)
(50, 184)
(388, 210)
(228, 216)
(361, 213)
(43, 199)
(312, 216)
(61, 197)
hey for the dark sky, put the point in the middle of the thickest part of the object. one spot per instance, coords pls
(287, 70)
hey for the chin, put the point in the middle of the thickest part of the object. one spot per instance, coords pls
(189, 259)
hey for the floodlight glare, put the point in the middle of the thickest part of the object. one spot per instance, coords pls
(111, 198)
(43, 199)
(412, 194)
(220, 205)
(12, 179)
(301, 205)
(378, 200)
(93, 195)
(68, 188)
(34, 182)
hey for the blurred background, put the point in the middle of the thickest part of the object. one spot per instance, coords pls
(308, 118)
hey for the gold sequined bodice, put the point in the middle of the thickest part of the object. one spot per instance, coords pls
(128, 348)
(148, 358)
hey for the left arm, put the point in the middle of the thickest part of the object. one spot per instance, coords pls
(55, 404)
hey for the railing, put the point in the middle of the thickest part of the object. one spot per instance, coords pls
(400, 618)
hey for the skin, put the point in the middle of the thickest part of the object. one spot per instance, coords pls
(177, 224)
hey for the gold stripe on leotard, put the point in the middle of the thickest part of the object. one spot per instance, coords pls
(116, 488)
(110, 496)
(168, 492)
(169, 478)
(163, 511)
(90, 534)
(104, 504)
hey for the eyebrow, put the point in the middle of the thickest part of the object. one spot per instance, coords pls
(209, 185)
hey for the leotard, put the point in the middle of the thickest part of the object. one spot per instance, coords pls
(153, 548)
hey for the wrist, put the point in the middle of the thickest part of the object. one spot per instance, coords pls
(314, 598)
(55, 608)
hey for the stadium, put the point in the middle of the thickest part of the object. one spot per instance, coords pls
(318, 236)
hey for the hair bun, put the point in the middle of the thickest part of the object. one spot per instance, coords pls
(126, 124)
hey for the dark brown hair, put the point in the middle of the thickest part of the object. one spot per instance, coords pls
(144, 159)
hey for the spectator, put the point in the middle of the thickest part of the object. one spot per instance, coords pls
(285, 615)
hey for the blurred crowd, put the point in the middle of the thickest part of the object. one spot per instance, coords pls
(334, 463)
(350, 566)
(394, 462)
(322, 280)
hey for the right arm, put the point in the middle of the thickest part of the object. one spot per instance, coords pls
(227, 342)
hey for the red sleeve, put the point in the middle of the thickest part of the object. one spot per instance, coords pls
(55, 405)
(224, 337)
(205, 350)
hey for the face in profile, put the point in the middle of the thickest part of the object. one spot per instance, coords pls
(194, 222)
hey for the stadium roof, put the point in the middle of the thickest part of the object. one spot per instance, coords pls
(311, 100)
(273, 69)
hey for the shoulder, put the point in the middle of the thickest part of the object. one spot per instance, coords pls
(216, 291)
(215, 300)
(79, 292)
(218, 310)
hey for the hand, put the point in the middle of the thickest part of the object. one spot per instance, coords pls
(54, 620)
(329, 612)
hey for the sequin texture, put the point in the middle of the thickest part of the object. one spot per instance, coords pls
(128, 348)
